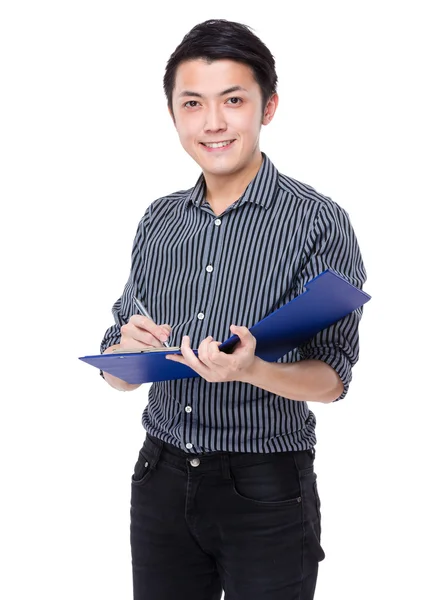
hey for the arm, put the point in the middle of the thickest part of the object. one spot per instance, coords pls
(307, 380)
(123, 307)
(332, 244)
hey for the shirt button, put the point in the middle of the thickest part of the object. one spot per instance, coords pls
(209, 268)
(217, 222)
(201, 316)
(195, 462)
(188, 409)
(189, 445)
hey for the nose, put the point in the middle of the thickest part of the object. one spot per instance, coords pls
(215, 120)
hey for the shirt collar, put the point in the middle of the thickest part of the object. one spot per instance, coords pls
(260, 190)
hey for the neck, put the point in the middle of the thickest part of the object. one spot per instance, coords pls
(224, 190)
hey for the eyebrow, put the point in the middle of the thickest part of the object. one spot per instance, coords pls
(234, 88)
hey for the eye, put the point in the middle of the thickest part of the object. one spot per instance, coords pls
(236, 98)
(190, 102)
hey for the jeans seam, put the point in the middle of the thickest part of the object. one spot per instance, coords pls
(303, 529)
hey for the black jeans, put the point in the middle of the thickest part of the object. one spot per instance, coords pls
(248, 524)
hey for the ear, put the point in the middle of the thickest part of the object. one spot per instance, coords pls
(270, 109)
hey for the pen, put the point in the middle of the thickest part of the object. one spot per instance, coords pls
(145, 313)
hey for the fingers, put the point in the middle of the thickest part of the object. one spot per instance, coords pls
(203, 350)
(245, 335)
(157, 331)
(140, 331)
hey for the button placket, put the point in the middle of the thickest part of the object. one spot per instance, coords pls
(213, 250)
(209, 269)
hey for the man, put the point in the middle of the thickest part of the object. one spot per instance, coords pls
(224, 493)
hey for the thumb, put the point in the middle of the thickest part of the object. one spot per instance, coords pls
(237, 330)
(243, 333)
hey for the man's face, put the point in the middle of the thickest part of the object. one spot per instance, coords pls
(209, 106)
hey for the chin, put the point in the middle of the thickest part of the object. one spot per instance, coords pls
(221, 166)
(221, 171)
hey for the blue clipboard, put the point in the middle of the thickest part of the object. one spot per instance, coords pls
(327, 299)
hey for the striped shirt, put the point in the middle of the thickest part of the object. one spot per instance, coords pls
(200, 273)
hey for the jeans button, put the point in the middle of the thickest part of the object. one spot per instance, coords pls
(195, 462)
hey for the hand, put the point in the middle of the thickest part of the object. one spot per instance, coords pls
(216, 366)
(141, 332)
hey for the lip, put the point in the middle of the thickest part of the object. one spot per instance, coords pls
(223, 149)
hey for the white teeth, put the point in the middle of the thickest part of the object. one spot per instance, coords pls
(219, 144)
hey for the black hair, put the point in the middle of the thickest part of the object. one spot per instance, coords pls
(218, 39)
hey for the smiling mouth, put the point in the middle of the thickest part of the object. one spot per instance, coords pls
(217, 144)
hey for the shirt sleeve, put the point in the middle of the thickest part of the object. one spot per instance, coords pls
(123, 308)
(332, 244)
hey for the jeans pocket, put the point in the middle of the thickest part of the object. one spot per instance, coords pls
(267, 483)
(142, 470)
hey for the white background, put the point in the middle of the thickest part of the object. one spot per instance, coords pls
(86, 145)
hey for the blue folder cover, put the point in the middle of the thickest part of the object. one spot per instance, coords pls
(326, 299)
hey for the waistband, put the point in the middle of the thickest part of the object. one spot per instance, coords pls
(154, 449)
